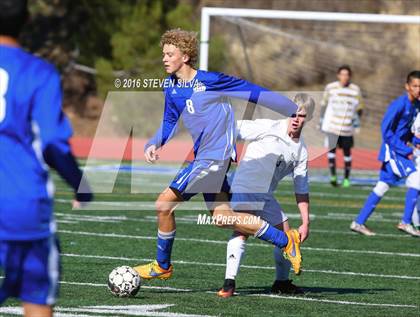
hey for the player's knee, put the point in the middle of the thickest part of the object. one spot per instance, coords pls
(331, 155)
(413, 180)
(381, 188)
(163, 208)
(237, 234)
(221, 218)
(220, 224)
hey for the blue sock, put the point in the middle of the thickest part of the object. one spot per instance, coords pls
(410, 203)
(273, 235)
(368, 208)
(164, 248)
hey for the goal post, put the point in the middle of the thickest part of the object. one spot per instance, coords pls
(208, 12)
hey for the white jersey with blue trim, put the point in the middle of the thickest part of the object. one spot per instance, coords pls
(203, 104)
(270, 156)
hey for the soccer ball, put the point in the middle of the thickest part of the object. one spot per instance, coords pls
(124, 281)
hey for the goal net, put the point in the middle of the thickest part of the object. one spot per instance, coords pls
(302, 55)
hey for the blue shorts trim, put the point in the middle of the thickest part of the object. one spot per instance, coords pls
(202, 176)
(388, 173)
(31, 269)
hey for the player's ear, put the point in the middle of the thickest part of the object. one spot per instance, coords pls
(407, 86)
(185, 58)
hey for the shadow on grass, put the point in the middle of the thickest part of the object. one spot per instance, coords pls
(317, 290)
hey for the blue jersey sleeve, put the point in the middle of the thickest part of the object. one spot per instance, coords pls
(388, 128)
(54, 131)
(169, 125)
(256, 94)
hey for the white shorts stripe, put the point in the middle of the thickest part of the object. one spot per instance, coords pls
(53, 271)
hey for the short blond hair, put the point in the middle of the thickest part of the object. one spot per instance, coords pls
(306, 102)
(186, 41)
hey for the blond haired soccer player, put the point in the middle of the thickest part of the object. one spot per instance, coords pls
(341, 109)
(201, 99)
(276, 149)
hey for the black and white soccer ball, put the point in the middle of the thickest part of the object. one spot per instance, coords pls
(124, 281)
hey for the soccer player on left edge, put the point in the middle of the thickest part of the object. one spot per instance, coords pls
(202, 102)
(34, 132)
(276, 150)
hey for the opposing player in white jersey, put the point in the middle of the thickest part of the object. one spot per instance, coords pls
(415, 177)
(276, 150)
(341, 109)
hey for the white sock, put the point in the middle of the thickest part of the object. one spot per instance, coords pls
(415, 217)
(234, 252)
(282, 265)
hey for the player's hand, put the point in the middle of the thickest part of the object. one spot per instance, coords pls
(410, 156)
(79, 204)
(81, 200)
(303, 232)
(150, 154)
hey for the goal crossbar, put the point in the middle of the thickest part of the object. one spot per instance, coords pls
(208, 12)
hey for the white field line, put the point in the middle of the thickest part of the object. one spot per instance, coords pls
(296, 298)
(115, 235)
(190, 205)
(117, 206)
(258, 295)
(388, 235)
(106, 310)
(282, 193)
(329, 301)
(165, 288)
(193, 218)
(70, 218)
(403, 277)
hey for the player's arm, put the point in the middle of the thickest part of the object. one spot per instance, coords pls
(165, 132)
(415, 129)
(302, 201)
(388, 126)
(251, 130)
(359, 111)
(324, 103)
(54, 130)
(301, 184)
(361, 104)
(242, 89)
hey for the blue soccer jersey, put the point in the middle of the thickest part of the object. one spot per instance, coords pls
(207, 113)
(396, 128)
(33, 131)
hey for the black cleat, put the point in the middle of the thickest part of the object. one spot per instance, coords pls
(228, 289)
(333, 181)
(286, 287)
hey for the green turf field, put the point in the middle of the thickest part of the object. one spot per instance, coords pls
(344, 274)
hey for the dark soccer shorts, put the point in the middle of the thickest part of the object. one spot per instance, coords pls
(31, 269)
(202, 176)
(342, 142)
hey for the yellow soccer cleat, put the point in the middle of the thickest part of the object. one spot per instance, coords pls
(153, 270)
(292, 250)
